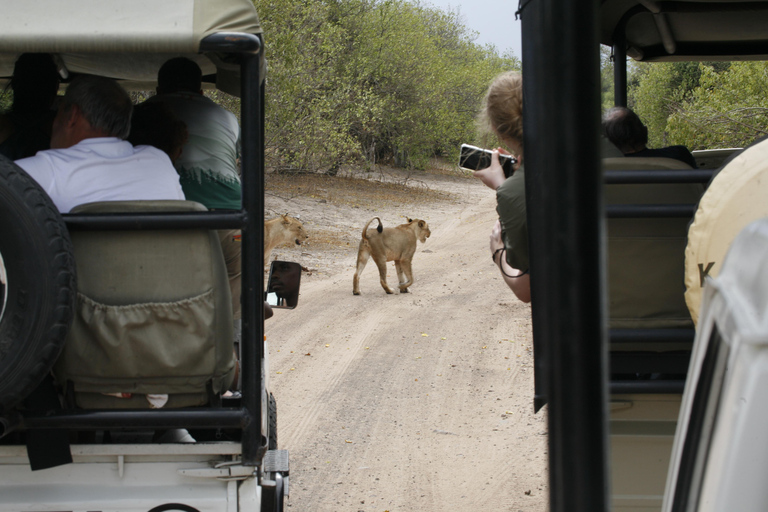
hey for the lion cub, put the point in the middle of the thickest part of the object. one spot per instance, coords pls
(396, 244)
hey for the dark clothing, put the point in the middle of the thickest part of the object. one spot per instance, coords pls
(31, 134)
(677, 152)
(510, 205)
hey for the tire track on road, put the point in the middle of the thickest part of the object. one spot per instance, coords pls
(296, 427)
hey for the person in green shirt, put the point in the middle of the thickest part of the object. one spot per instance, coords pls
(208, 163)
(503, 115)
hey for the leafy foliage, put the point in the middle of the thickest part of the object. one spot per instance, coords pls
(607, 77)
(660, 89)
(370, 81)
(702, 105)
(727, 109)
(6, 100)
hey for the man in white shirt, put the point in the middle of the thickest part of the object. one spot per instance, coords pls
(89, 160)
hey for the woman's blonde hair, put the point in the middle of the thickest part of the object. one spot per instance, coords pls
(503, 108)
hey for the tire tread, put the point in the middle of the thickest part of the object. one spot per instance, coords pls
(58, 304)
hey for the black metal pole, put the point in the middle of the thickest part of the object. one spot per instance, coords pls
(565, 218)
(252, 251)
(658, 176)
(649, 211)
(161, 220)
(117, 419)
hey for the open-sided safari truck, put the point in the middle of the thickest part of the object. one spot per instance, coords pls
(608, 241)
(150, 276)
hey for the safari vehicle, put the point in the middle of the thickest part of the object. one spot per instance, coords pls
(91, 450)
(613, 391)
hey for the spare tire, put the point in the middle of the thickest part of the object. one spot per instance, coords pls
(735, 197)
(37, 270)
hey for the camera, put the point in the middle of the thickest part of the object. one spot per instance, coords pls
(473, 158)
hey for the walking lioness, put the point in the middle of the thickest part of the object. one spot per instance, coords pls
(396, 244)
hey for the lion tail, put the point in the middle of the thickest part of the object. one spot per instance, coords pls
(379, 228)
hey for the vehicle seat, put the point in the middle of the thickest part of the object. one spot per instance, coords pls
(608, 150)
(646, 255)
(641, 163)
(153, 314)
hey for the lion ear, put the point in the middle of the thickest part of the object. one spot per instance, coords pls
(421, 223)
(409, 220)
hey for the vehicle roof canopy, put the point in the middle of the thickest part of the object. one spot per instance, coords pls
(684, 30)
(125, 40)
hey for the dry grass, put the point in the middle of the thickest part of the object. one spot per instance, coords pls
(332, 239)
(376, 190)
(438, 165)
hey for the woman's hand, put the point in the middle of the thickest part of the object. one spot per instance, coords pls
(492, 176)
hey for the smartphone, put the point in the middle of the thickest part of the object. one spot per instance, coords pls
(473, 158)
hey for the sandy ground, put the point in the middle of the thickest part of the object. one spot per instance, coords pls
(416, 402)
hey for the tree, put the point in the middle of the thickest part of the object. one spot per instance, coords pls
(370, 80)
(660, 89)
(728, 108)
(606, 78)
(691, 103)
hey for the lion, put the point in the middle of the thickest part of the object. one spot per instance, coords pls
(396, 244)
(280, 230)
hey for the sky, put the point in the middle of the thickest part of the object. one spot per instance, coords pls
(494, 20)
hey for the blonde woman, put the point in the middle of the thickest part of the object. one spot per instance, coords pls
(502, 115)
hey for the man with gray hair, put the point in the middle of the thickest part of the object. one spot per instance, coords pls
(89, 159)
(628, 133)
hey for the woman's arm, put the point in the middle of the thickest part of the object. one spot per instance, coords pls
(518, 282)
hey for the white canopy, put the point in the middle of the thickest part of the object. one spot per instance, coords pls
(684, 30)
(126, 40)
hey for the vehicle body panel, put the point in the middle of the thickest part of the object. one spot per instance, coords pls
(126, 478)
(720, 453)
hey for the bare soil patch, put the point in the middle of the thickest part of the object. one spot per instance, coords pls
(407, 402)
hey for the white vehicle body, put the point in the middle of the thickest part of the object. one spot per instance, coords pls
(128, 42)
(132, 477)
(143, 476)
(720, 452)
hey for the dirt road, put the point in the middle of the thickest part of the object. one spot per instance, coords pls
(418, 402)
